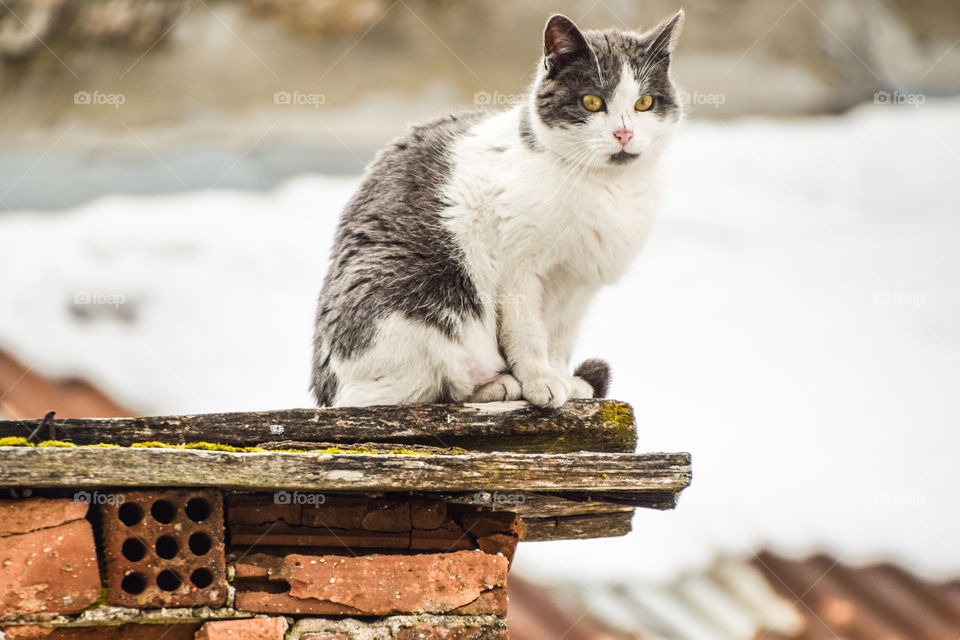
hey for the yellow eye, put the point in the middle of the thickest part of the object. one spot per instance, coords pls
(644, 103)
(592, 103)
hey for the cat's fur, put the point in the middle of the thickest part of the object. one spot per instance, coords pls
(465, 261)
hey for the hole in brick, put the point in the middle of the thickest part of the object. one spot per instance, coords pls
(162, 511)
(130, 513)
(168, 580)
(133, 583)
(199, 544)
(201, 578)
(198, 509)
(133, 549)
(167, 547)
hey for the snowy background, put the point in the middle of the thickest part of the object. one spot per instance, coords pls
(794, 323)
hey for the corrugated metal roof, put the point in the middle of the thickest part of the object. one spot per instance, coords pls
(766, 597)
(879, 602)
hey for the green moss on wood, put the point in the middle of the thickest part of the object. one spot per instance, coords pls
(55, 443)
(12, 441)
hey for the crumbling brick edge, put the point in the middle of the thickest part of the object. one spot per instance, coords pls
(392, 627)
(399, 627)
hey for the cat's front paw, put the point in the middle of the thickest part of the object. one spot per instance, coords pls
(545, 390)
(503, 387)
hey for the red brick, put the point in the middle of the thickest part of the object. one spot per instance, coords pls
(499, 543)
(480, 522)
(164, 515)
(449, 538)
(388, 516)
(259, 508)
(380, 585)
(337, 512)
(52, 570)
(264, 602)
(22, 516)
(248, 629)
(257, 565)
(464, 582)
(492, 602)
(281, 535)
(428, 514)
(124, 632)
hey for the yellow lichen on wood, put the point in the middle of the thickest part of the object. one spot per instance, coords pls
(12, 441)
(213, 446)
(619, 414)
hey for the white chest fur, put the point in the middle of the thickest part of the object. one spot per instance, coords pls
(515, 208)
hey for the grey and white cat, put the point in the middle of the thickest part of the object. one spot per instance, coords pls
(464, 263)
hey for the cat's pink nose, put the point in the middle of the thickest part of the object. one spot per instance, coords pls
(623, 136)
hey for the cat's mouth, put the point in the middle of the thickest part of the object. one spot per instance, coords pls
(623, 157)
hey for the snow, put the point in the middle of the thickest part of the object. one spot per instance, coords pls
(793, 323)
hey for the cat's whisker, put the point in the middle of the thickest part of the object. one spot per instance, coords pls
(576, 167)
(570, 164)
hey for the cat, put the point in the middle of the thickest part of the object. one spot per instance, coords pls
(465, 261)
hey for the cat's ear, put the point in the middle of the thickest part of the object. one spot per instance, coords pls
(562, 42)
(664, 36)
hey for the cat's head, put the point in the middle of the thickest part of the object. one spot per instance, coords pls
(605, 98)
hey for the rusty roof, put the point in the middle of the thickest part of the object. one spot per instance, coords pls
(765, 597)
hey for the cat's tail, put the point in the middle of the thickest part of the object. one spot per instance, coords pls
(597, 374)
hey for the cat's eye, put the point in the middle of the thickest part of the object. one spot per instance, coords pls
(644, 103)
(592, 102)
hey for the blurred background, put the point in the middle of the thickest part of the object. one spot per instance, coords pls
(171, 172)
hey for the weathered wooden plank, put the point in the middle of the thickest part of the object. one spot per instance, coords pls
(125, 467)
(369, 447)
(580, 425)
(532, 504)
(600, 525)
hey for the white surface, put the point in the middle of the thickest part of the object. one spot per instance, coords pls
(794, 323)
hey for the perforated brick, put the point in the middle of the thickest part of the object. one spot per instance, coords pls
(165, 548)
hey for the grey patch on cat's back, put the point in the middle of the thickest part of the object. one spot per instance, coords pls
(392, 252)
(325, 382)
